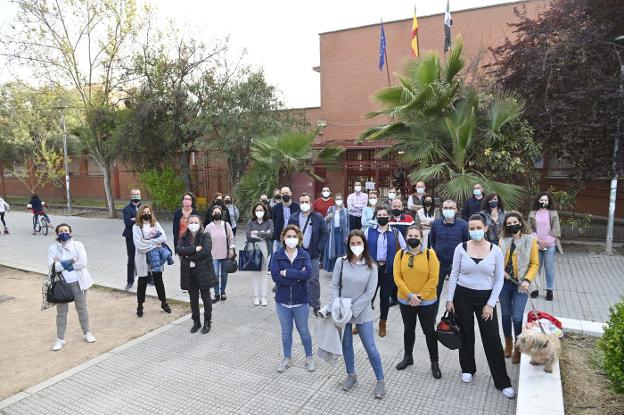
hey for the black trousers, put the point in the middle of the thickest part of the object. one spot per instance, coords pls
(158, 284)
(445, 269)
(194, 293)
(426, 314)
(385, 282)
(355, 222)
(130, 266)
(469, 303)
(2, 217)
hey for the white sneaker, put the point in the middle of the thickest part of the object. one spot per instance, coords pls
(58, 345)
(256, 301)
(509, 392)
(466, 377)
(309, 364)
(284, 364)
(263, 301)
(89, 338)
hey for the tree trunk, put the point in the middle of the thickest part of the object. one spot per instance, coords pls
(185, 170)
(110, 202)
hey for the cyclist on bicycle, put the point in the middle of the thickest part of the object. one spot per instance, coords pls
(38, 208)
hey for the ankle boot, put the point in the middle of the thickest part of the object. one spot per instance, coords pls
(435, 370)
(207, 325)
(549, 295)
(382, 328)
(508, 346)
(196, 325)
(515, 357)
(139, 312)
(408, 360)
(6, 230)
(165, 307)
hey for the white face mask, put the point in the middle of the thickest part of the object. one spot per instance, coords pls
(291, 242)
(420, 190)
(338, 202)
(391, 195)
(305, 207)
(325, 194)
(372, 202)
(358, 188)
(259, 214)
(193, 227)
(357, 249)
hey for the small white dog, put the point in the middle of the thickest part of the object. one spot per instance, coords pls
(544, 349)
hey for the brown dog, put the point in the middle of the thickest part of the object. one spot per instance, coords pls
(544, 349)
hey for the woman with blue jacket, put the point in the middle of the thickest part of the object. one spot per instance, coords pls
(291, 268)
(338, 224)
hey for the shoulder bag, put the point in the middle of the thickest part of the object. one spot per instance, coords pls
(58, 291)
(230, 263)
(449, 332)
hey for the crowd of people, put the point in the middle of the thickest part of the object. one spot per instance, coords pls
(404, 253)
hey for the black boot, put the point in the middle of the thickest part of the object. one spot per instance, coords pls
(216, 298)
(534, 294)
(196, 325)
(435, 370)
(549, 295)
(207, 325)
(165, 307)
(407, 361)
(140, 310)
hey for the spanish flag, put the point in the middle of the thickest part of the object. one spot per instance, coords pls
(415, 50)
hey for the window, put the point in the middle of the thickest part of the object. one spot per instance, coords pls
(558, 168)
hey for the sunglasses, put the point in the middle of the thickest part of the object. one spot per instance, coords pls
(410, 261)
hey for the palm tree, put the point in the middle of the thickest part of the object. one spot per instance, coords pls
(439, 125)
(274, 158)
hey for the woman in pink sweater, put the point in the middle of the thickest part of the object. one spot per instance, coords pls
(223, 247)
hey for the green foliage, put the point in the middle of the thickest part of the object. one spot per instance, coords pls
(453, 135)
(165, 186)
(612, 344)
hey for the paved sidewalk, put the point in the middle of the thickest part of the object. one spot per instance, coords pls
(232, 369)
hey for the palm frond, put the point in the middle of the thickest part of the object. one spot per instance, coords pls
(455, 61)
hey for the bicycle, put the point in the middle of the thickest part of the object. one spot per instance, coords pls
(40, 224)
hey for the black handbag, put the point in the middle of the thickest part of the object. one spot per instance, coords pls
(58, 291)
(250, 259)
(449, 332)
(230, 265)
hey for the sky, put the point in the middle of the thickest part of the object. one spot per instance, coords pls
(279, 36)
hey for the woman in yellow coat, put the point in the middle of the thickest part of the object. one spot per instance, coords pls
(521, 265)
(416, 277)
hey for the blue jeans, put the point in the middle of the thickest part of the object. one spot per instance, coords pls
(512, 303)
(547, 261)
(219, 269)
(340, 250)
(367, 335)
(300, 315)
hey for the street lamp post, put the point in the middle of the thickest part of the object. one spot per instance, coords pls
(65, 160)
(619, 43)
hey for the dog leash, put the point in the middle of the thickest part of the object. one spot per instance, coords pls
(533, 308)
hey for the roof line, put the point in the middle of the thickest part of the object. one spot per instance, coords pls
(428, 15)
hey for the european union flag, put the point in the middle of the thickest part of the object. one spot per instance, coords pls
(382, 48)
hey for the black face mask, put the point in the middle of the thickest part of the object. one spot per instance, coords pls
(513, 229)
(146, 216)
(397, 212)
(493, 203)
(216, 216)
(413, 242)
(427, 203)
(277, 197)
(383, 221)
(227, 202)
(286, 198)
(263, 200)
(543, 205)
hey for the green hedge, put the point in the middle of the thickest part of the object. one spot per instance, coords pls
(612, 344)
(165, 186)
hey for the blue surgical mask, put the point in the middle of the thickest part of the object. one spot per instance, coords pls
(476, 192)
(448, 213)
(64, 236)
(477, 235)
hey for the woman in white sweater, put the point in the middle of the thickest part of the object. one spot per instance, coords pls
(70, 259)
(4, 207)
(475, 282)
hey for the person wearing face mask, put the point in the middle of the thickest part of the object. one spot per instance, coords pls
(473, 205)
(196, 272)
(355, 277)
(427, 214)
(383, 243)
(260, 230)
(545, 225)
(281, 215)
(368, 213)
(217, 202)
(265, 199)
(129, 218)
(315, 236)
(415, 201)
(416, 274)
(493, 209)
(445, 234)
(323, 203)
(392, 194)
(521, 265)
(398, 218)
(338, 223)
(356, 202)
(223, 247)
(291, 268)
(232, 211)
(182, 215)
(277, 198)
(69, 257)
(148, 236)
(475, 283)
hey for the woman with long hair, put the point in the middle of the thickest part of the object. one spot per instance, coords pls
(260, 231)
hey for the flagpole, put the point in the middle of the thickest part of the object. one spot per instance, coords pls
(417, 41)
(386, 57)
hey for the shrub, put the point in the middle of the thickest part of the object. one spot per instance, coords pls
(612, 344)
(165, 186)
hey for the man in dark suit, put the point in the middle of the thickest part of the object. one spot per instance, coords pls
(315, 236)
(129, 217)
(281, 215)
